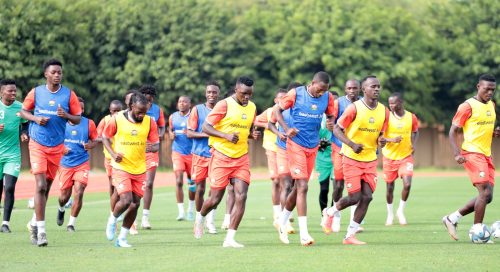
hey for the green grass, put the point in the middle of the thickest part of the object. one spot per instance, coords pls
(421, 246)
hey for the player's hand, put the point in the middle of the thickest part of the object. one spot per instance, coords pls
(329, 125)
(255, 134)
(24, 137)
(171, 135)
(233, 138)
(398, 139)
(148, 147)
(1, 127)
(61, 112)
(496, 132)
(282, 136)
(88, 145)
(291, 132)
(382, 141)
(66, 150)
(460, 159)
(118, 157)
(357, 148)
(42, 121)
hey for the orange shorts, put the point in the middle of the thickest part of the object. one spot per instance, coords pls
(272, 163)
(282, 162)
(338, 169)
(125, 182)
(152, 160)
(199, 170)
(68, 176)
(355, 171)
(479, 168)
(182, 162)
(397, 168)
(45, 159)
(108, 167)
(301, 160)
(223, 168)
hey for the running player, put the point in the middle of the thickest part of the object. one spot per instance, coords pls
(201, 150)
(307, 106)
(323, 165)
(152, 158)
(75, 166)
(134, 133)
(476, 116)
(181, 156)
(10, 149)
(401, 136)
(229, 126)
(360, 129)
(53, 105)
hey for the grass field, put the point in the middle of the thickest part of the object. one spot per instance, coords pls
(423, 245)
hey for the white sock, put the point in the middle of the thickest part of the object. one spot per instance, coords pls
(455, 217)
(112, 219)
(199, 217)
(211, 216)
(352, 229)
(145, 213)
(180, 207)
(41, 226)
(303, 226)
(276, 211)
(61, 209)
(123, 233)
(191, 206)
(353, 210)
(230, 234)
(227, 218)
(332, 210)
(390, 210)
(285, 214)
(33, 220)
(5, 223)
(72, 221)
(402, 205)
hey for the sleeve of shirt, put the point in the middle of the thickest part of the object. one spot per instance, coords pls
(217, 113)
(464, 112)
(100, 126)
(288, 100)
(92, 130)
(110, 128)
(386, 121)
(161, 120)
(332, 108)
(414, 123)
(29, 101)
(193, 119)
(74, 105)
(153, 133)
(347, 117)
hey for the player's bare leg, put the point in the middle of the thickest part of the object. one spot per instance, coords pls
(41, 195)
(77, 205)
(389, 196)
(405, 193)
(179, 194)
(191, 197)
(240, 197)
(229, 207)
(213, 200)
(148, 197)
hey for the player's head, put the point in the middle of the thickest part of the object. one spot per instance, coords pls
(138, 106)
(244, 90)
(486, 87)
(293, 85)
(279, 94)
(128, 95)
(82, 103)
(319, 84)
(351, 89)
(115, 106)
(149, 91)
(52, 70)
(371, 87)
(212, 91)
(334, 94)
(395, 102)
(184, 103)
(8, 90)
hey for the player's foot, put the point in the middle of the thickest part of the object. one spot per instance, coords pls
(289, 229)
(211, 227)
(42, 239)
(490, 241)
(70, 228)
(133, 229)
(145, 223)
(110, 231)
(336, 223)
(360, 229)
(327, 222)
(352, 240)
(283, 235)
(60, 217)
(198, 229)
(180, 217)
(232, 243)
(389, 220)
(306, 240)
(33, 234)
(190, 216)
(452, 228)
(122, 243)
(5, 229)
(401, 218)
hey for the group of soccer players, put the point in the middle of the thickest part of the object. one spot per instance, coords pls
(210, 142)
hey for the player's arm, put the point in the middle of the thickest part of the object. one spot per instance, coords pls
(171, 133)
(254, 130)
(107, 135)
(261, 120)
(153, 139)
(193, 126)
(28, 107)
(344, 121)
(382, 141)
(285, 103)
(24, 131)
(464, 112)
(331, 112)
(414, 133)
(161, 125)
(92, 136)
(75, 111)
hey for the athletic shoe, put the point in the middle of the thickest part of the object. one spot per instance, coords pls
(133, 229)
(327, 222)
(402, 218)
(283, 235)
(389, 220)
(452, 228)
(122, 243)
(190, 216)
(42, 239)
(232, 243)
(306, 240)
(289, 229)
(60, 217)
(70, 228)
(5, 229)
(352, 240)
(180, 217)
(211, 227)
(490, 242)
(336, 223)
(145, 223)
(198, 229)
(110, 231)
(33, 234)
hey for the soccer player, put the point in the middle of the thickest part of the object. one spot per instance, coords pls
(229, 126)
(53, 105)
(360, 129)
(269, 144)
(201, 150)
(10, 149)
(181, 155)
(75, 166)
(134, 133)
(323, 164)
(401, 136)
(476, 116)
(152, 158)
(307, 105)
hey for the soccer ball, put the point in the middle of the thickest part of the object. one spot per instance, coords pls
(495, 230)
(479, 234)
(31, 203)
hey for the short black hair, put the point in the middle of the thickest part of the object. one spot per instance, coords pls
(51, 62)
(245, 81)
(366, 78)
(80, 99)
(398, 95)
(116, 102)
(131, 91)
(322, 76)
(138, 98)
(148, 89)
(281, 90)
(7, 81)
(487, 77)
(212, 83)
(293, 85)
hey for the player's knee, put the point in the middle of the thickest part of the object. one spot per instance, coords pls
(488, 197)
(366, 198)
(407, 186)
(241, 196)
